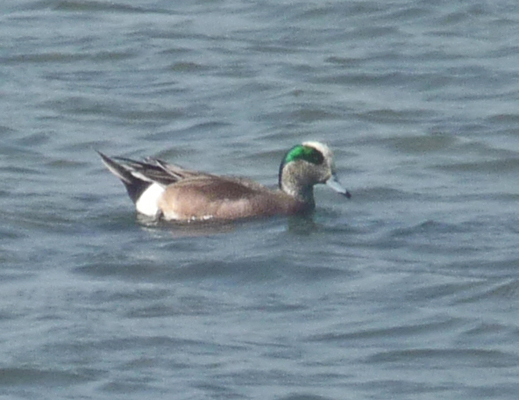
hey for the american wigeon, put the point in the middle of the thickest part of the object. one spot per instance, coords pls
(162, 190)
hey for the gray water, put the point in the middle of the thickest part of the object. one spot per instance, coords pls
(410, 290)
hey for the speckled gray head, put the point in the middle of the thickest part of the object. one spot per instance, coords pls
(305, 165)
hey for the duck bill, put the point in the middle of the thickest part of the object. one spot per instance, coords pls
(334, 183)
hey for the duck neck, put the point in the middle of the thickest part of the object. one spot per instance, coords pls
(295, 185)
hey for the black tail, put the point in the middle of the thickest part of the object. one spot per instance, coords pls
(135, 185)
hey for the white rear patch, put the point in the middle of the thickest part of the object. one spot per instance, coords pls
(148, 203)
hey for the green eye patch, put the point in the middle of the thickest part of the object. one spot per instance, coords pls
(305, 153)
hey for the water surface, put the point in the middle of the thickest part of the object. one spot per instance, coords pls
(408, 291)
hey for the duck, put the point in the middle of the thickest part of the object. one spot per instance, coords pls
(161, 190)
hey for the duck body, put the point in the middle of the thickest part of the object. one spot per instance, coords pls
(163, 190)
(204, 198)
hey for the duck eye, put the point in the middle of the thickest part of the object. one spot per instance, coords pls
(305, 153)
